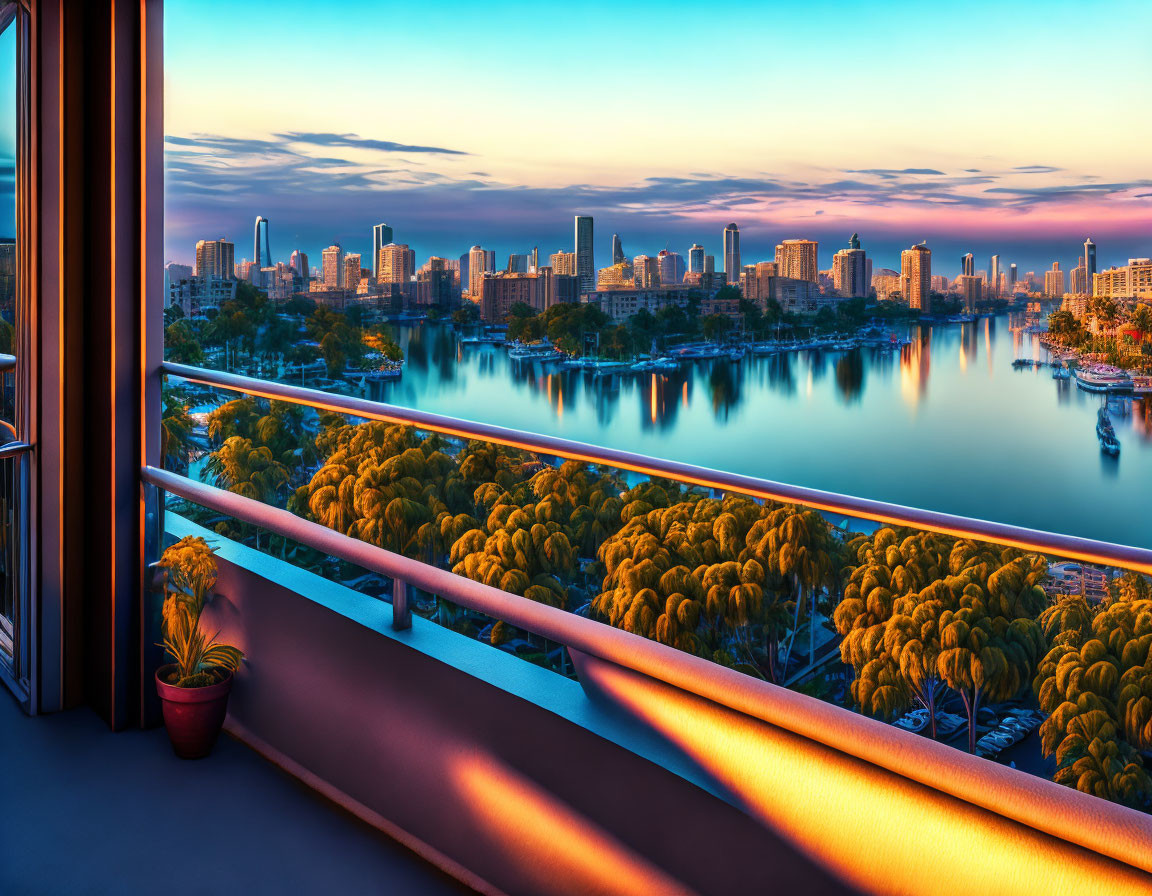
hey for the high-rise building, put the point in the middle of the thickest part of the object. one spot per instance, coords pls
(709, 264)
(732, 254)
(970, 289)
(395, 269)
(563, 262)
(533, 259)
(480, 262)
(499, 292)
(381, 237)
(1012, 278)
(299, 263)
(352, 270)
(967, 265)
(797, 259)
(1078, 280)
(1133, 281)
(850, 276)
(886, 282)
(756, 281)
(436, 283)
(215, 259)
(517, 263)
(585, 253)
(332, 264)
(916, 277)
(671, 267)
(994, 276)
(617, 250)
(261, 252)
(696, 258)
(617, 276)
(1054, 281)
(1090, 263)
(646, 271)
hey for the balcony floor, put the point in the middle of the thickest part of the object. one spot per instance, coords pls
(89, 811)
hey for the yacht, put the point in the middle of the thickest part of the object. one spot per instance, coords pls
(1102, 378)
(540, 351)
(1142, 385)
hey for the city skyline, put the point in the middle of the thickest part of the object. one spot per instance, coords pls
(985, 176)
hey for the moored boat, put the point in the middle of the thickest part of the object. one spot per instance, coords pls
(1102, 378)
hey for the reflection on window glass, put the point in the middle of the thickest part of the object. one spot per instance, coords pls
(7, 185)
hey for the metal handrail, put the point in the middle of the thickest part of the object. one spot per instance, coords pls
(14, 449)
(1079, 818)
(1068, 547)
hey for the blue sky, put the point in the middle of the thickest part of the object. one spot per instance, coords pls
(972, 125)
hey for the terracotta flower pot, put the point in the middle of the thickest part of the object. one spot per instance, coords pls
(193, 716)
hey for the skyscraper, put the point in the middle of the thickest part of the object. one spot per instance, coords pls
(396, 268)
(585, 254)
(671, 266)
(1012, 278)
(332, 266)
(617, 250)
(646, 271)
(798, 259)
(261, 258)
(381, 237)
(480, 262)
(534, 260)
(732, 253)
(1054, 279)
(850, 270)
(352, 270)
(696, 258)
(916, 277)
(215, 259)
(1090, 264)
(967, 265)
(994, 276)
(299, 264)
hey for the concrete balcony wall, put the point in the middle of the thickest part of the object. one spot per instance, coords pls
(520, 781)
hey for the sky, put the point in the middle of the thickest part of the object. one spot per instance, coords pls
(977, 126)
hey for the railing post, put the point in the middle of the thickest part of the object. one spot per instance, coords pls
(401, 613)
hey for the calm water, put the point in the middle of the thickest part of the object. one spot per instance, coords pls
(944, 423)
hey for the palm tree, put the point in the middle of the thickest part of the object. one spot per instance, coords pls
(175, 432)
(247, 470)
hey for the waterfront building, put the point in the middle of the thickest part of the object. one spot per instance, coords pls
(332, 264)
(850, 277)
(671, 265)
(436, 283)
(755, 280)
(795, 295)
(696, 258)
(381, 237)
(1054, 281)
(916, 277)
(1072, 577)
(617, 250)
(539, 291)
(563, 263)
(970, 289)
(215, 258)
(480, 262)
(585, 253)
(798, 259)
(1133, 281)
(732, 253)
(646, 271)
(621, 304)
(395, 269)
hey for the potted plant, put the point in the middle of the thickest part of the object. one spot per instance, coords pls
(194, 687)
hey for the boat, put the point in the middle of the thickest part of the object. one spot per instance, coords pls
(764, 348)
(1109, 444)
(607, 368)
(485, 339)
(1142, 385)
(539, 351)
(1060, 372)
(576, 363)
(1102, 378)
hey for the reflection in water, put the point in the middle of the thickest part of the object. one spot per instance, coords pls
(1017, 434)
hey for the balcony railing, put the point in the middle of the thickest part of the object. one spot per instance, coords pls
(1075, 817)
(15, 620)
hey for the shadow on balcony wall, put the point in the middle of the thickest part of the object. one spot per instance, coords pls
(470, 768)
